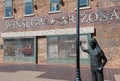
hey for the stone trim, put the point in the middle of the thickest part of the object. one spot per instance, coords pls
(84, 30)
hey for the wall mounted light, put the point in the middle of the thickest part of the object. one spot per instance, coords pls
(35, 6)
(14, 9)
(62, 2)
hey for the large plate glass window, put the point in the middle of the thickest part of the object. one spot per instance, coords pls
(62, 49)
(28, 7)
(83, 3)
(8, 8)
(19, 50)
(19, 47)
(54, 5)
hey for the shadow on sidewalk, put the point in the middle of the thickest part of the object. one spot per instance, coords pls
(60, 72)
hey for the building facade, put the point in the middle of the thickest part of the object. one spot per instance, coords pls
(40, 31)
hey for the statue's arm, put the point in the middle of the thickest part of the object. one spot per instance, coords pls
(104, 59)
(83, 49)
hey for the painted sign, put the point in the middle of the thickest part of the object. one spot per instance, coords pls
(63, 19)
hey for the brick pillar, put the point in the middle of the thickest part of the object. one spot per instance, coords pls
(42, 50)
(1, 51)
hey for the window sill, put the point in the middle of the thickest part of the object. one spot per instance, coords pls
(52, 12)
(9, 17)
(83, 8)
(29, 15)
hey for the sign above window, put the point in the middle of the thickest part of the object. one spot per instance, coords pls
(54, 20)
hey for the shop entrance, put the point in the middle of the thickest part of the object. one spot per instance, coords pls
(19, 50)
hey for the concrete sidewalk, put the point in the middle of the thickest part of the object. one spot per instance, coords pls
(35, 72)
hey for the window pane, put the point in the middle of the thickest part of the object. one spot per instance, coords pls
(54, 5)
(8, 8)
(10, 47)
(8, 11)
(53, 1)
(52, 47)
(26, 46)
(83, 2)
(19, 47)
(28, 7)
(8, 3)
(62, 47)
(28, 1)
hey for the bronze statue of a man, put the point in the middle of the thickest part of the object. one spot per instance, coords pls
(98, 59)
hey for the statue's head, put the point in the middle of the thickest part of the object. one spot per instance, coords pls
(92, 42)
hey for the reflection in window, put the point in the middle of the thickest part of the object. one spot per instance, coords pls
(54, 5)
(52, 47)
(65, 46)
(62, 47)
(19, 47)
(8, 8)
(28, 7)
(83, 3)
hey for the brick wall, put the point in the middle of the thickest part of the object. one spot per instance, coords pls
(1, 51)
(43, 7)
(108, 37)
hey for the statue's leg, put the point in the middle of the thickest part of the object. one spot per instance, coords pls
(94, 76)
(100, 76)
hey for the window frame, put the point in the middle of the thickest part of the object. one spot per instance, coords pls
(9, 8)
(29, 5)
(57, 8)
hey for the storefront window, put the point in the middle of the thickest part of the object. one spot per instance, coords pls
(19, 47)
(53, 47)
(62, 49)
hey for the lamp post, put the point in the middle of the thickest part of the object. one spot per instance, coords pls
(77, 44)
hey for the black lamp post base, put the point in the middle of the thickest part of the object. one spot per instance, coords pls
(78, 79)
(78, 75)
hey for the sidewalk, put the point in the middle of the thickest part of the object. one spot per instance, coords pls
(35, 72)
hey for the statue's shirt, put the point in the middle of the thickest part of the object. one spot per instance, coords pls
(95, 57)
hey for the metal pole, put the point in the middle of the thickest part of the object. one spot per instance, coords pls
(77, 43)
